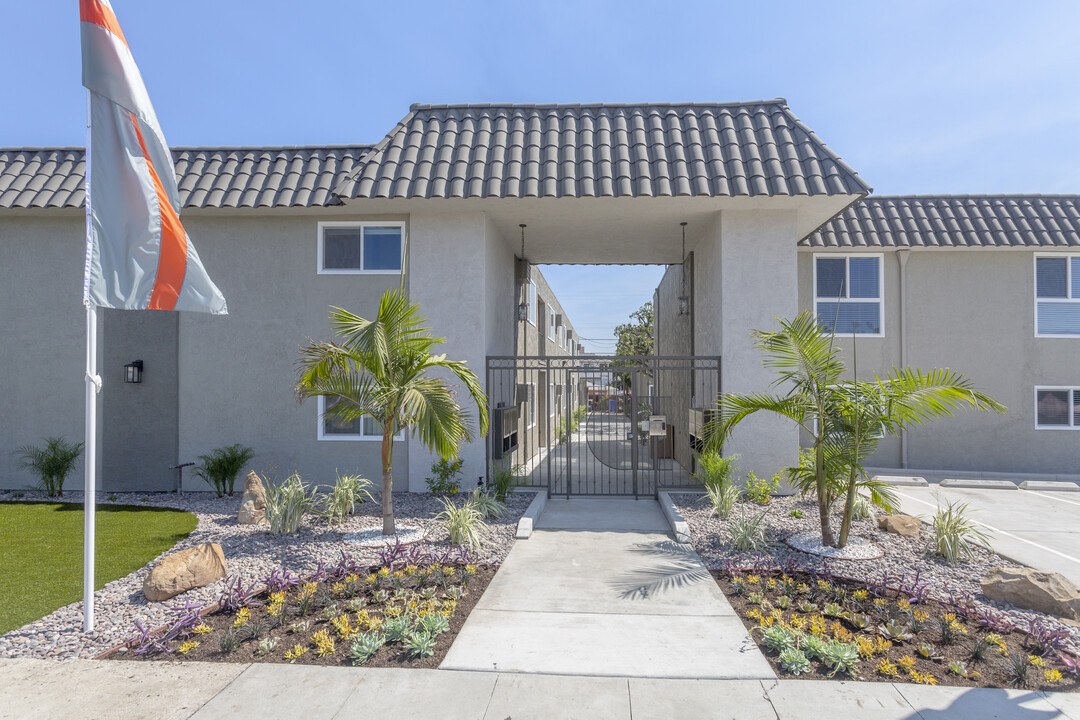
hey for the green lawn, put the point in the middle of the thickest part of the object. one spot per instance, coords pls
(41, 551)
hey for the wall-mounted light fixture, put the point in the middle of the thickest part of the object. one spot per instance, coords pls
(523, 306)
(133, 372)
(684, 297)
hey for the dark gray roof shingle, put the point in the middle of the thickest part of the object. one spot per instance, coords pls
(648, 150)
(213, 177)
(954, 221)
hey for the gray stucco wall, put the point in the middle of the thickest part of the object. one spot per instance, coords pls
(236, 371)
(42, 354)
(972, 311)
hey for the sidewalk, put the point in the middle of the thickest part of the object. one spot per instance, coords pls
(103, 690)
(601, 589)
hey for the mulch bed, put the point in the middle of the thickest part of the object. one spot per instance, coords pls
(854, 615)
(391, 654)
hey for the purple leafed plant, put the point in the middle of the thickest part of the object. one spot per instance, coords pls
(280, 580)
(882, 587)
(345, 567)
(730, 568)
(236, 596)
(1046, 640)
(917, 591)
(1070, 662)
(993, 620)
(394, 556)
(320, 572)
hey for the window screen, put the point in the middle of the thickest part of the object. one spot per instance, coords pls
(1057, 295)
(1054, 408)
(848, 294)
(366, 248)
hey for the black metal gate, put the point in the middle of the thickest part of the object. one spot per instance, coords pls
(598, 426)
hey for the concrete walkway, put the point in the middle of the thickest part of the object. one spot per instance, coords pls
(600, 589)
(1038, 529)
(33, 689)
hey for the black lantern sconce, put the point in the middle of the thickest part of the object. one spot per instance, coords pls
(133, 372)
(523, 306)
(684, 297)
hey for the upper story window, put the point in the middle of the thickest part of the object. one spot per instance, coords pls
(1057, 295)
(552, 331)
(361, 428)
(360, 247)
(848, 293)
(1057, 408)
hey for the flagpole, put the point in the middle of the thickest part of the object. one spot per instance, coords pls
(93, 387)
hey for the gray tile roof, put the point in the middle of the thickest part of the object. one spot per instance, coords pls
(216, 177)
(692, 149)
(954, 221)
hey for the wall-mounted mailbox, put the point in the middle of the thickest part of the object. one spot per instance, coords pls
(504, 430)
(658, 425)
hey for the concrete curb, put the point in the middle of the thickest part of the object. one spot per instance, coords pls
(902, 480)
(532, 514)
(1049, 486)
(979, 484)
(679, 528)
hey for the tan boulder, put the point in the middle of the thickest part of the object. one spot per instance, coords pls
(905, 525)
(1045, 592)
(184, 570)
(253, 503)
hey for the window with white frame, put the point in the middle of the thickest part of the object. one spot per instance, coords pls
(848, 292)
(361, 428)
(1057, 408)
(1057, 295)
(551, 323)
(532, 302)
(360, 248)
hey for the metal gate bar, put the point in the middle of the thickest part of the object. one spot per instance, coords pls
(600, 425)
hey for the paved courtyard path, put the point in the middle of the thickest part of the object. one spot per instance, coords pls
(601, 589)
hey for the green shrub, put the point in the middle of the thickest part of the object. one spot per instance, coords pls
(446, 476)
(715, 470)
(464, 523)
(794, 661)
(840, 656)
(420, 645)
(955, 534)
(761, 490)
(344, 496)
(286, 505)
(221, 466)
(487, 504)
(723, 498)
(365, 646)
(748, 533)
(52, 463)
(504, 480)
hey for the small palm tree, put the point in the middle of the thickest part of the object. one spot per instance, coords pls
(51, 463)
(843, 416)
(381, 369)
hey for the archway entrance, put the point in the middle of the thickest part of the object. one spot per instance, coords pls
(600, 425)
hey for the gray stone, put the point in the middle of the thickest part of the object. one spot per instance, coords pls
(905, 525)
(1045, 592)
(1049, 486)
(184, 570)
(253, 503)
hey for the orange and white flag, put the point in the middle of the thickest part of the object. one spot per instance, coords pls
(138, 254)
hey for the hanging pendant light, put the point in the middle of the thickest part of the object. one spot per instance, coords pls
(523, 306)
(684, 298)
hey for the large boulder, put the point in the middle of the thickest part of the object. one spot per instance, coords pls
(253, 503)
(1045, 592)
(184, 570)
(905, 525)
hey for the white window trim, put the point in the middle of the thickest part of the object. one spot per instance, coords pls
(1068, 300)
(552, 328)
(334, 437)
(534, 413)
(1074, 388)
(881, 290)
(531, 299)
(356, 224)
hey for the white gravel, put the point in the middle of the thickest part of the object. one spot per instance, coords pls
(250, 552)
(903, 556)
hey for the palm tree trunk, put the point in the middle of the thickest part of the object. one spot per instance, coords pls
(387, 483)
(823, 506)
(849, 506)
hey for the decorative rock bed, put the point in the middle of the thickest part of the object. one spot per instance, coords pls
(903, 556)
(250, 553)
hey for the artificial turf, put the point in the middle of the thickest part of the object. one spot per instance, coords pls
(41, 551)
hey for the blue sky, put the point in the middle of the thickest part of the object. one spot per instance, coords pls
(919, 97)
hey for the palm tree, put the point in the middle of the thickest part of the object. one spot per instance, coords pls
(381, 369)
(843, 416)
